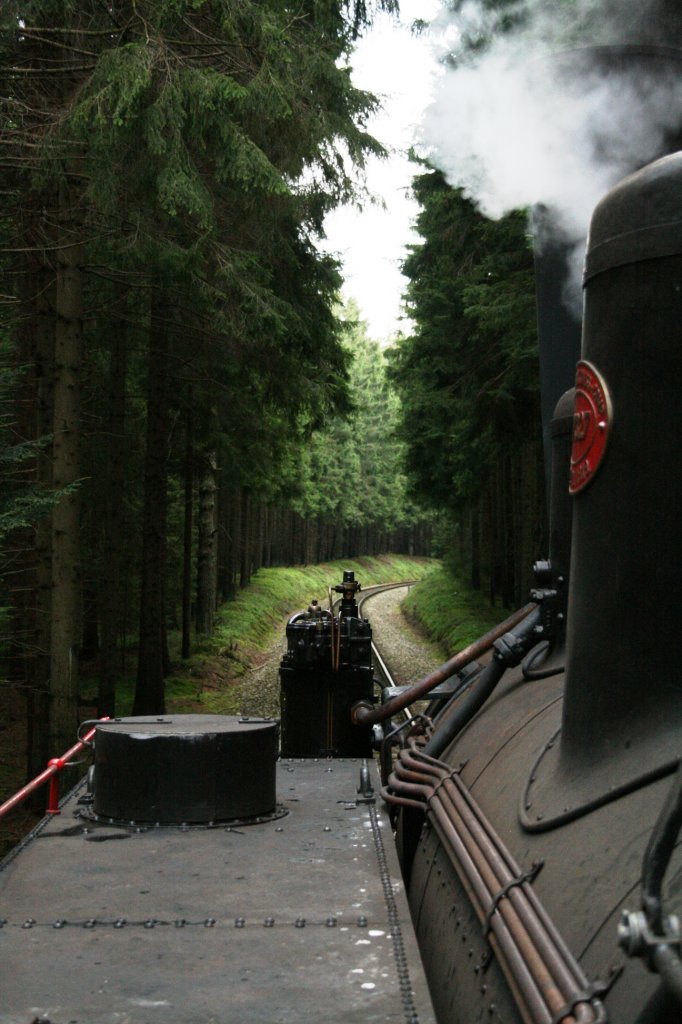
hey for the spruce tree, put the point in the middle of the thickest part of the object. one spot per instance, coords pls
(169, 167)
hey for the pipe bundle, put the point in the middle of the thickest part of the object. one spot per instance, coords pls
(545, 978)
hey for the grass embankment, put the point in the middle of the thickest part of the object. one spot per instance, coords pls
(449, 612)
(248, 626)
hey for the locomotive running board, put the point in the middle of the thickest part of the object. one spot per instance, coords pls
(300, 919)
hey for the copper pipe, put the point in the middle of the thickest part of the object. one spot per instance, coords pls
(364, 713)
(518, 965)
(540, 994)
(498, 869)
(550, 973)
(507, 950)
(564, 968)
(539, 967)
(506, 861)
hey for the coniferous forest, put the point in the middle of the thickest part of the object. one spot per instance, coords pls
(183, 399)
(468, 379)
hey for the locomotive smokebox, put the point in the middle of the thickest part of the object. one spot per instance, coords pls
(185, 769)
(622, 702)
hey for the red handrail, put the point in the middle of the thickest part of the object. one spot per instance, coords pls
(54, 766)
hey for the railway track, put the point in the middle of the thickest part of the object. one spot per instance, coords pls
(387, 685)
(382, 673)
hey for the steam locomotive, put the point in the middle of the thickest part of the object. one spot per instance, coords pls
(545, 880)
(536, 805)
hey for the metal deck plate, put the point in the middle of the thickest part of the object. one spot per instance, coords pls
(302, 919)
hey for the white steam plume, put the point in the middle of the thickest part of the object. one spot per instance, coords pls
(514, 128)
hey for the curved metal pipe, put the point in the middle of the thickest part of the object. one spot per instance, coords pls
(474, 700)
(364, 713)
(658, 852)
(651, 934)
(452, 724)
(667, 962)
(545, 977)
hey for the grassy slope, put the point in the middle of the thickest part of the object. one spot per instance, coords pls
(450, 612)
(249, 625)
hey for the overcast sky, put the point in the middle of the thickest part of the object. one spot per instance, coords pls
(400, 68)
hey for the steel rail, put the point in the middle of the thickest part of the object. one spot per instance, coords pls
(49, 774)
(367, 595)
(547, 981)
(364, 713)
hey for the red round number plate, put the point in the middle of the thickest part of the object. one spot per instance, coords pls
(591, 426)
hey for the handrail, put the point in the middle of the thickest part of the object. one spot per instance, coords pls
(54, 766)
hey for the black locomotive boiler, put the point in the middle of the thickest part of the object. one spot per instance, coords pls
(539, 815)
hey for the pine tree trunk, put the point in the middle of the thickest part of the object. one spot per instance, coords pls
(235, 539)
(111, 596)
(187, 531)
(66, 579)
(89, 646)
(222, 539)
(245, 567)
(149, 688)
(207, 569)
(267, 536)
(38, 745)
(337, 547)
(260, 547)
(475, 549)
(30, 551)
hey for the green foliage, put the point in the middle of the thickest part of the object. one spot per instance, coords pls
(450, 611)
(190, 150)
(258, 612)
(350, 470)
(468, 375)
(22, 502)
(24, 510)
(468, 382)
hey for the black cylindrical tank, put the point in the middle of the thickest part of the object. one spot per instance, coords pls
(647, 51)
(185, 768)
(626, 587)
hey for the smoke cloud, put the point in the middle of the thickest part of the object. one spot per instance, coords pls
(529, 119)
